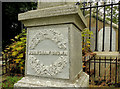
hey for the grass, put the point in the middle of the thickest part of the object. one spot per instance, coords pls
(9, 81)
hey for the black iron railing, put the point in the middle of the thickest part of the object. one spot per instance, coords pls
(8, 65)
(119, 28)
(96, 7)
(103, 71)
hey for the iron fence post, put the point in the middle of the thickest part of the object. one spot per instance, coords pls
(103, 29)
(96, 40)
(119, 28)
(111, 27)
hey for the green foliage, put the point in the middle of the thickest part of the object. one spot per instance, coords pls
(10, 81)
(101, 10)
(15, 52)
(86, 35)
(114, 14)
(10, 24)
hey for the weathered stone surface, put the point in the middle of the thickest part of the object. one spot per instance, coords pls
(48, 51)
(42, 5)
(106, 39)
(53, 3)
(54, 15)
(54, 48)
(108, 54)
(30, 81)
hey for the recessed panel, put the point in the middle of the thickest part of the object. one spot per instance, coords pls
(47, 51)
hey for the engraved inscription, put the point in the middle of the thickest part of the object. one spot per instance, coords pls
(40, 52)
(57, 66)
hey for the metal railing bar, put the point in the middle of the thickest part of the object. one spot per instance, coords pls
(94, 67)
(116, 72)
(90, 19)
(99, 6)
(89, 70)
(99, 67)
(110, 70)
(119, 28)
(111, 28)
(96, 38)
(103, 29)
(105, 68)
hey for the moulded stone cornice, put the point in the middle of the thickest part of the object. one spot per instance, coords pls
(63, 10)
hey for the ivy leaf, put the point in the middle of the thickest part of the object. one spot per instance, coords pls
(8, 48)
(17, 60)
(14, 53)
(20, 56)
(5, 50)
(19, 48)
(12, 39)
(88, 45)
(21, 68)
(23, 38)
(88, 42)
(16, 37)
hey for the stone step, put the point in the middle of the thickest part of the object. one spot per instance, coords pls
(108, 54)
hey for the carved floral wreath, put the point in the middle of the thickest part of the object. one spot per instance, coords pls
(50, 70)
(56, 37)
(59, 64)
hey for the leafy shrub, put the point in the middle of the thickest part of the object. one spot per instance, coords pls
(86, 35)
(10, 81)
(15, 53)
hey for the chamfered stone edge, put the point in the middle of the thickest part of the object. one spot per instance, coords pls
(53, 12)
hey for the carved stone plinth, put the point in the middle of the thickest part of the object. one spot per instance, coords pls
(54, 48)
(32, 82)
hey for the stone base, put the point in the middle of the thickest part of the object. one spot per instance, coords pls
(27, 82)
(107, 54)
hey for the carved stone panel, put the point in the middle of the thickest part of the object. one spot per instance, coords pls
(47, 51)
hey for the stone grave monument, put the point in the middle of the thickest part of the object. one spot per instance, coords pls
(107, 39)
(54, 46)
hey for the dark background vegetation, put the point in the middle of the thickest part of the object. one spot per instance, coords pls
(10, 24)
